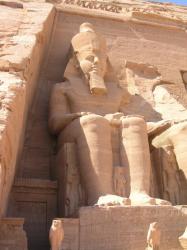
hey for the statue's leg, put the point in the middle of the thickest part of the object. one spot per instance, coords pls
(92, 135)
(136, 148)
(95, 155)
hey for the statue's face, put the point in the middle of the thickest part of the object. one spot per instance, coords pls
(90, 50)
(92, 59)
(56, 223)
(155, 225)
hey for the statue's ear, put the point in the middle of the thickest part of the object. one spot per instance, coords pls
(70, 52)
(71, 68)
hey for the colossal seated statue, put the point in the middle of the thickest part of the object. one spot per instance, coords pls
(87, 109)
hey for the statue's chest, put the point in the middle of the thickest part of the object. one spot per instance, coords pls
(84, 98)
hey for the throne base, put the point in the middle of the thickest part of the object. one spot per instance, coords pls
(123, 228)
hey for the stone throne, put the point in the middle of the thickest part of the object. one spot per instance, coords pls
(73, 193)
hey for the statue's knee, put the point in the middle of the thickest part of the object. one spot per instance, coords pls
(93, 119)
(133, 120)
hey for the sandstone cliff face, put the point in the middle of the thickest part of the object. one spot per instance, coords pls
(24, 36)
(142, 30)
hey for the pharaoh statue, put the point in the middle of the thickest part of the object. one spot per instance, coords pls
(153, 236)
(56, 234)
(87, 109)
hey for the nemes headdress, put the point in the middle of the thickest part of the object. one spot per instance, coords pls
(88, 39)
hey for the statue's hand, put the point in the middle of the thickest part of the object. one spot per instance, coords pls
(156, 128)
(80, 114)
(114, 119)
(85, 113)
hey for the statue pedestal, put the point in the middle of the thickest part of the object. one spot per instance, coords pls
(123, 228)
(12, 235)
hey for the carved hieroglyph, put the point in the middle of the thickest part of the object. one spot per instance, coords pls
(87, 109)
(56, 234)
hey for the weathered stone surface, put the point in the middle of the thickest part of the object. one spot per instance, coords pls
(71, 234)
(12, 4)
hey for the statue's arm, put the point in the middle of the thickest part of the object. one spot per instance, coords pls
(59, 113)
(156, 128)
(125, 100)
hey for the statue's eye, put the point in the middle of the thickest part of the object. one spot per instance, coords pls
(90, 58)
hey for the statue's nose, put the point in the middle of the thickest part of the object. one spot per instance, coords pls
(96, 60)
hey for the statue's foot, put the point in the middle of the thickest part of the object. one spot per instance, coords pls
(162, 202)
(113, 200)
(143, 199)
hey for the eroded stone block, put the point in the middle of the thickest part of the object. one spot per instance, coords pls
(12, 235)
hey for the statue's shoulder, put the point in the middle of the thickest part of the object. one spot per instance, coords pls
(125, 95)
(62, 86)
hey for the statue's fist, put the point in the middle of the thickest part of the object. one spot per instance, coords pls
(84, 113)
(114, 119)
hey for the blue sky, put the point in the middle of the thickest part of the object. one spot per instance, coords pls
(181, 2)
